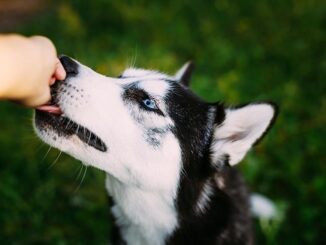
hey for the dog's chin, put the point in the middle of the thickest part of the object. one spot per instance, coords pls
(65, 127)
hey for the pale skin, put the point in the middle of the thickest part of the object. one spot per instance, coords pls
(28, 67)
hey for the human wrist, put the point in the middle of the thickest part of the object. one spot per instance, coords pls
(15, 50)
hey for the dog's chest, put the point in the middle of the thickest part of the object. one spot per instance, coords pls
(143, 217)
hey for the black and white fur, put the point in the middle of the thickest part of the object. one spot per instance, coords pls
(170, 167)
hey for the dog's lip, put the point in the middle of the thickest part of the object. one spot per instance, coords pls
(64, 126)
(51, 106)
(53, 109)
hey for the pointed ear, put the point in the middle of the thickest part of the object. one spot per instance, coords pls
(183, 75)
(241, 128)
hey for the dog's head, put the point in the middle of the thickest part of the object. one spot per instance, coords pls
(144, 126)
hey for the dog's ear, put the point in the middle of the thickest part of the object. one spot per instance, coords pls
(183, 75)
(242, 127)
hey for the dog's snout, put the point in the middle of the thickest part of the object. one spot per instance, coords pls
(69, 65)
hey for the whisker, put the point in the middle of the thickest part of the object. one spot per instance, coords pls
(89, 138)
(67, 126)
(40, 147)
(80, 171)
(46, 154)
(54, 162)
(78, 187)
(135, 57)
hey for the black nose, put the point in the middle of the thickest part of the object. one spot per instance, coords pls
(70, 66)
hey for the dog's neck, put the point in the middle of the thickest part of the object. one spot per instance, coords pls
(144, 217)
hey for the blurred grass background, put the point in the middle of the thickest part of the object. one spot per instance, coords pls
(243, 50)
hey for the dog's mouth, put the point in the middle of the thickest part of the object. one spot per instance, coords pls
(50, 116)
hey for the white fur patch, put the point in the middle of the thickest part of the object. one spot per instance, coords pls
(156, 88)
(145, 217)
(220, 182)
(138, 72)
(262, 207)
(204, 198)
(240, 129)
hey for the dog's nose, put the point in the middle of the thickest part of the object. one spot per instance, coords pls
(70, 66)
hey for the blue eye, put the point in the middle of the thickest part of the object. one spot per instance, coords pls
(150, 104)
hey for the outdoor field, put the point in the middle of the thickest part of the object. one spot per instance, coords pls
(243, 50)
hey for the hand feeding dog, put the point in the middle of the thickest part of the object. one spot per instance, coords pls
(168, 155)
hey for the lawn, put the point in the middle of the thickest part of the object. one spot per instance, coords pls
(243, 50)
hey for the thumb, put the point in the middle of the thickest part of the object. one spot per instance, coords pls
(60, 73)
(41, 98)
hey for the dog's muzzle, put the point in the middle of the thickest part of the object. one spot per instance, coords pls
(70, 66)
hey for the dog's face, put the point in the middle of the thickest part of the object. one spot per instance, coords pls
(143, 126)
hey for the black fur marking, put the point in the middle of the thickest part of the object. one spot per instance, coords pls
(226, 219)
(220, 113)
(186, 76)
(155, 135)
(69, 65)
(66, 127)
(136, 95)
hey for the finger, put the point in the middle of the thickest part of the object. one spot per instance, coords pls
(52, 80)
(37, 100)
(60, 73)
(45, 43)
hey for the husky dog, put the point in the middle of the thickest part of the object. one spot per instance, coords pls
(168, 155)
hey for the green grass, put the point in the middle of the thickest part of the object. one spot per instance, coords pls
(243, 50)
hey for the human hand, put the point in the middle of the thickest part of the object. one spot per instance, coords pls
(49, 70)
(30, 66)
